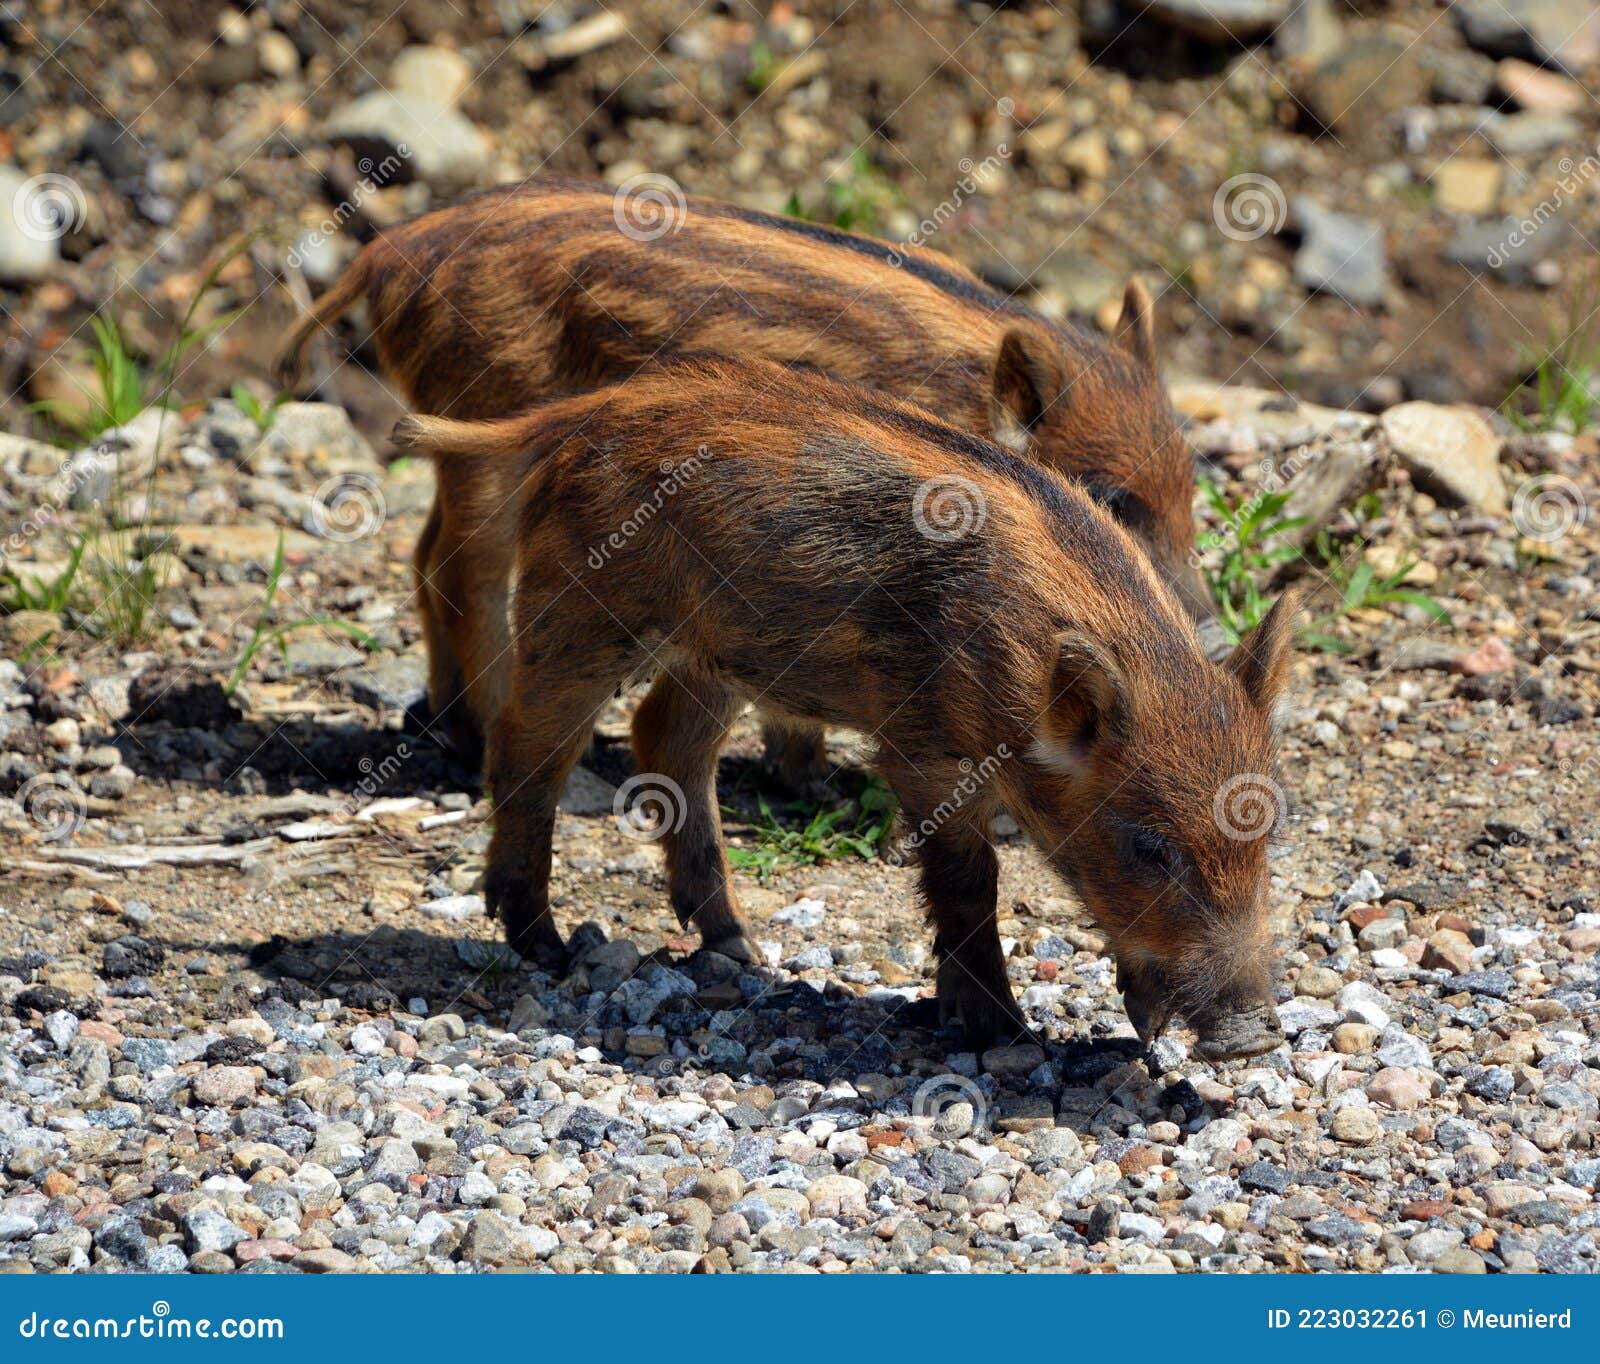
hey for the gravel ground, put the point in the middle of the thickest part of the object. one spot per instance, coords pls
(254, 1019)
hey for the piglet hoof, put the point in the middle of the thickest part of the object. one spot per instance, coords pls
(450, 727)
(734, 946)
(989, 1015)
(419, 716)
(530, 933)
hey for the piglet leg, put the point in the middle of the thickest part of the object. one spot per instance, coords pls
(677, 733)
(960, 875)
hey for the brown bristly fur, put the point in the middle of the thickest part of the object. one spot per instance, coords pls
(530, 292)
(774, 551)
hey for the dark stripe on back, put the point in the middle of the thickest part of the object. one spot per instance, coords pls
(957, 286)
(1047, 491)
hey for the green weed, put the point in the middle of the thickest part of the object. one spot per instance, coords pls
(1248, 558)
(39, 594)
(265, 632)
(859, 827)
(262, 414)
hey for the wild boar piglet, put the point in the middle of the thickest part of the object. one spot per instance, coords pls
(550, 287)
(749, 534)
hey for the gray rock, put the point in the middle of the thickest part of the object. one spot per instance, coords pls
(1300, 1014)
(1342, 254)
(122, 1239)
(441, 1028)
(1521, 134)
(148, 1053)
(1054, 1145)
(395, 1157)
(1495, 984)
(407, 137)
(1509, 248)
(61, 1027)
(587, 794)
(1556, 32)
(1401, 1049)
(30, 247)
(208, 1229)
(321, 429)
(1310, 33)
(391, 683)
(527, 1012)
(455, 908)
(1459, 77)
(1219, 20)
(491, 1240)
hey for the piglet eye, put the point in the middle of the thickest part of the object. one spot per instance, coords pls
(1151, 855)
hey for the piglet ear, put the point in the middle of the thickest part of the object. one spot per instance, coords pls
(1090, 702)
(1027, 382)
(1261, 662)
(1136, 328)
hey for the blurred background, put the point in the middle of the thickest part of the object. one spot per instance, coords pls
(1359, 201)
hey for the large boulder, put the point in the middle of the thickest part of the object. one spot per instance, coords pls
(1559, 33)
(1341, 254)
(1217, 21)
(398, 138)
(1451, 452)
(29, 235)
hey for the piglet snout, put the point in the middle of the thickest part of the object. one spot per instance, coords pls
(1244, 1032)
